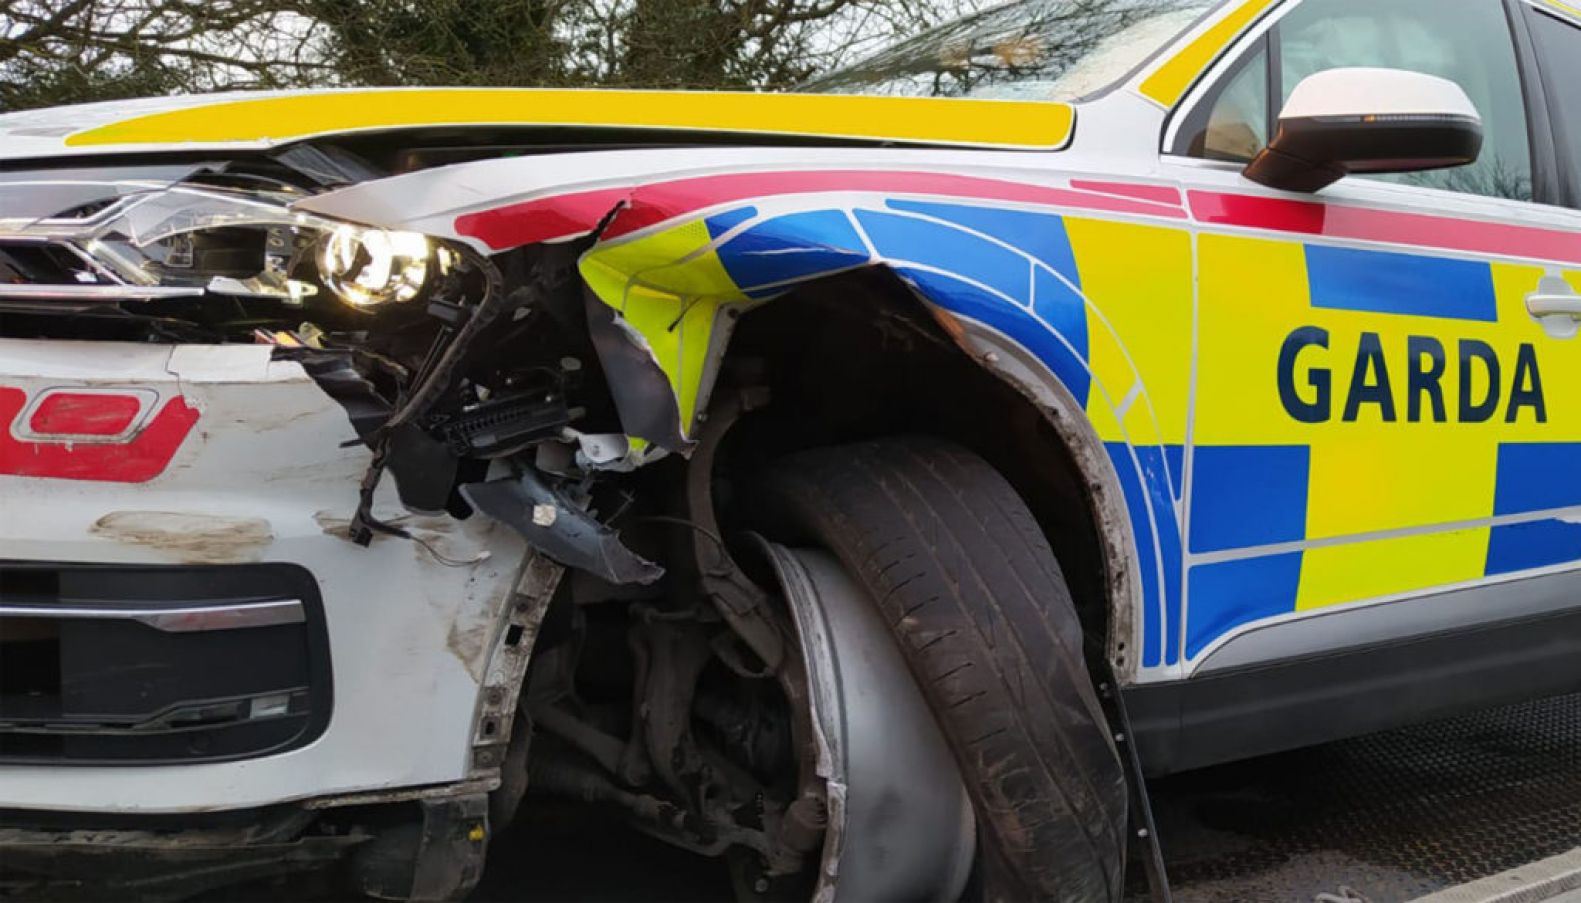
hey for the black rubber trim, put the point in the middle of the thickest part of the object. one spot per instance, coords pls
(1549, 180)
(184, 586)
(1561, 185)
(1194, 122)
(1255, 711)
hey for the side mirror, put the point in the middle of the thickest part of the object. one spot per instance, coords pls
(1368, 120)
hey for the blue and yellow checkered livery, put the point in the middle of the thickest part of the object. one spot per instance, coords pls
(1279, 448)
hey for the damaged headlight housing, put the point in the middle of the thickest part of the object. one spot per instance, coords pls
(157, 233)
(369, 267)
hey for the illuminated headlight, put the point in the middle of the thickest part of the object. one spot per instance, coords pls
(371, 267)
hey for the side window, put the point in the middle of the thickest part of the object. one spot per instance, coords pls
(1559, 45)
(1237, 121)
(1466, 41)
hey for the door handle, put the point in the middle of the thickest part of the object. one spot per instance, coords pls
(1556, 306)
(1553, 305)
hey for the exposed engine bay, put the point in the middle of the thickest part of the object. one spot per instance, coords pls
(406, 332)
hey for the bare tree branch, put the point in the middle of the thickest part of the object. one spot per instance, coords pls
(63, 51)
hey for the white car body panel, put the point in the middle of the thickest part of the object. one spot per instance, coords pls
(409, 636)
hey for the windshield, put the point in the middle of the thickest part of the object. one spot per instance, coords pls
(1058, 50)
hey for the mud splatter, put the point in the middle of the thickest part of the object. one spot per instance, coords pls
(189, 538)
(468, 642)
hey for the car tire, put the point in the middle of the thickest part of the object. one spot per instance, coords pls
(980, 609)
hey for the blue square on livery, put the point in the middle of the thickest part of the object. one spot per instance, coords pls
(1221, 597)
(1386, 282)
(1537, 476)
(1525, 547)
(1248, 495)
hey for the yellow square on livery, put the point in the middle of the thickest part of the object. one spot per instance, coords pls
(1137, 282)
(1377, 569)
(1249, 292)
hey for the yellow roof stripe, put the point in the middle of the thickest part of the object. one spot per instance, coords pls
(916, 120)
(1170, 81)
(1564, 7)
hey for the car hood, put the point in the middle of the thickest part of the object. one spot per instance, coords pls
(242, 121)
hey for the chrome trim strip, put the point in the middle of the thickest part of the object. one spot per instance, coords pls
(197, 619)
(31, 292)
(1512, 597)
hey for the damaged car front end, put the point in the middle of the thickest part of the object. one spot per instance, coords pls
(314, 516)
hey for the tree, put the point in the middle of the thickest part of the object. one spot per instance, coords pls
(67, 51)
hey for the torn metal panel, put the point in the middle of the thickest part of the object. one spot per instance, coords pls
(496, 737)
(643, 392)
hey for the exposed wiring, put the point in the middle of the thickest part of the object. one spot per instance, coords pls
(445, 559)
(715, 538)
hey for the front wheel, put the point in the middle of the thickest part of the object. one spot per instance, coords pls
(964, 578)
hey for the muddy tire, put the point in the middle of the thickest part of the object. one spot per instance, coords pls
(967, 582)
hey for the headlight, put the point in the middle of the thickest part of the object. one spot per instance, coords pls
(370, 267)
(139, 237)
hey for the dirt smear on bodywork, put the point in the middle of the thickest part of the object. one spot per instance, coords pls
(190, 538)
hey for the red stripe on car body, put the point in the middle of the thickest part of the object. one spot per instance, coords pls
(654, 204)
(136, 460)
(1157, 194)
(1411, 230)
(544, 219)
(577, 213)
(84, 414)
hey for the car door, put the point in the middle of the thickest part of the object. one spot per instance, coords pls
(1383, 440)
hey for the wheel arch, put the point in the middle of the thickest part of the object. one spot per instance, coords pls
(1056, 306)
(862, 319)
(1111, 518)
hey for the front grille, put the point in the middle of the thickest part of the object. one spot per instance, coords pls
(113, 664)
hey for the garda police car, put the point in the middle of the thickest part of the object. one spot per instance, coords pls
(825, 481)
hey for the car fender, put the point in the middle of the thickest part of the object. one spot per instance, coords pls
(1049, 280)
